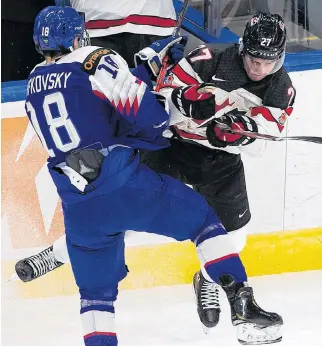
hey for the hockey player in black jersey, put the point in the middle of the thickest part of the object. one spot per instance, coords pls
(246, 87)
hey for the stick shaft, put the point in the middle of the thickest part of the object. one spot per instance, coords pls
(165, 60)
(226, 128)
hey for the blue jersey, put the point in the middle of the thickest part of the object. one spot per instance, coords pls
(90, 99)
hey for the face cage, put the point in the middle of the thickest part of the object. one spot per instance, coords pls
(278, 62)
(84, 40)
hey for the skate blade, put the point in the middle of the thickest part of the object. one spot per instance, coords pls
(205, 329)
(250, 334)
(14, 277)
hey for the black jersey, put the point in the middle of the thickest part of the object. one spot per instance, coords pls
(268, 101)
(228, 66)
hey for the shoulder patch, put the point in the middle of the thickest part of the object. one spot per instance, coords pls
(92, 60)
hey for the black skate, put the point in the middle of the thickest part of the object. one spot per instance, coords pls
(37, 265)
(207, 299)
(254, 325)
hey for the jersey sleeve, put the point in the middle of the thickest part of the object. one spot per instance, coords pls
(272, 119)
(191, 69)
(129, 96)
(142, 73)
(187, 72)
(270, 114)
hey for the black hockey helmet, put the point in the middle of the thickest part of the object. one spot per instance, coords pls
(265, 36)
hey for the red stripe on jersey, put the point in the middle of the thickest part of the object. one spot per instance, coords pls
(99, 94)
(188, 136)
(183, 76)
(135, 106)
(120, 107)
(133, 19)
(267, 114)
(128, 107)
(289, 110)
(99, 333)
(223, 104)
(220, 259)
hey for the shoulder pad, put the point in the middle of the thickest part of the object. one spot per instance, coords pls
(91, 62)
(280, 92)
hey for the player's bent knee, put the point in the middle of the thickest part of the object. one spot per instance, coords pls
(217, 253)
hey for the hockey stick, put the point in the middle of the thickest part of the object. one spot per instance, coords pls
(165, 60)
(254, 135)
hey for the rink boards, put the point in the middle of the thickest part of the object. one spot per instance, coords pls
(284, 186)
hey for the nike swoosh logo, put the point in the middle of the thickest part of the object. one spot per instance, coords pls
(240, 215)
(156, 126)
(214, 78)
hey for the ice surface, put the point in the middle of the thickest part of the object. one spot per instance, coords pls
(167, 315)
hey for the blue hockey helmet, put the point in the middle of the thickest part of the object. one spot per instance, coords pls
(56, 27)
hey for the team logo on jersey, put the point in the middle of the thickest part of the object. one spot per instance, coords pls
(169, 79)
(282, 119)
(92, 60)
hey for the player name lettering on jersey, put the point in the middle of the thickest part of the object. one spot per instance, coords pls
(48, 81)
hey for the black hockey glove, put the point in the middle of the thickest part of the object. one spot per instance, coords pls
(196, 101)
(219, 138)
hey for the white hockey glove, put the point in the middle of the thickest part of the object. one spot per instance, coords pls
(154, 54)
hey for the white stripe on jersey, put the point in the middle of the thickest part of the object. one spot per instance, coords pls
(108, 17)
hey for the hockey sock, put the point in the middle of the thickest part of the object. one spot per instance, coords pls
(217, 254)
(98, 323)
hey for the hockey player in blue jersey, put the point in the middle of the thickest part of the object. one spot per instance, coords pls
(92, 116)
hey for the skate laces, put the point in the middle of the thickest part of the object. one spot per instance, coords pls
(209, 295)
(43, 262)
